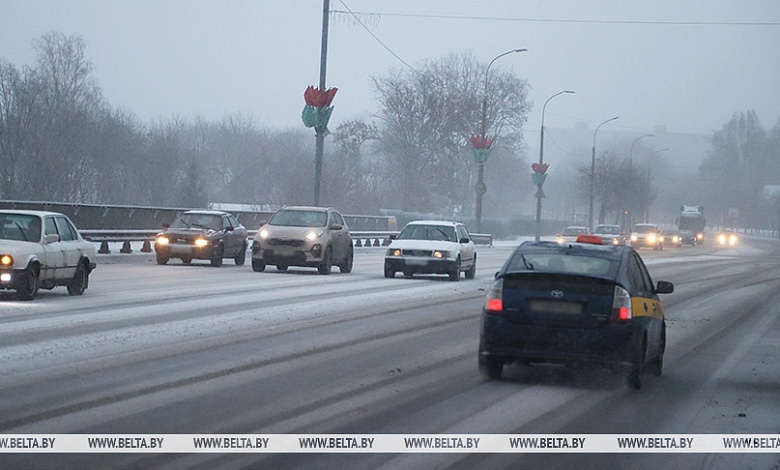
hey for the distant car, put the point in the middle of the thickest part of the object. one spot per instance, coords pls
(610, 234)
(574, 304)
(42, 250)
(647, 236)
(727, 238)
(432, 247)
(570, 233)
(673, 239)
(316, 237)
(202, 234)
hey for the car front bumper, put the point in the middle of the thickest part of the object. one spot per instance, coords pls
(306, 255)
(11, 278)
(419, 264)
(177, 250)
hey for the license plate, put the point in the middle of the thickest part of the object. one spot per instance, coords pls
(285, 253)
(416, 261)
(554, 306)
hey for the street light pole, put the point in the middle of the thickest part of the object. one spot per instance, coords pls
(593, 171)
(481, 188)
(631, 153)
(541, 161)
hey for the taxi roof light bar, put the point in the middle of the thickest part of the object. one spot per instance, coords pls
(591, 239)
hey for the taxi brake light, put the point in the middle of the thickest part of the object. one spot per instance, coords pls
(494, 303)
(621, 305)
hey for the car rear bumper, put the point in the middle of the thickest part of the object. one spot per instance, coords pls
(612, 344)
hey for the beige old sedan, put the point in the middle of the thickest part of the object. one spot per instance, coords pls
(42, 250)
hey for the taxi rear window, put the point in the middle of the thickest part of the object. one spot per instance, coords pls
(564, 263)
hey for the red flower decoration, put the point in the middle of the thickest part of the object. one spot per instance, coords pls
(317, 98)
(480, 142)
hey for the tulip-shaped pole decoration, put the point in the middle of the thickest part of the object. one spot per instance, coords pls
(480, 150)
(317, 111)
(538, 176)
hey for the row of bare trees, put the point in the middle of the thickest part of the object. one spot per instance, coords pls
(60, 140)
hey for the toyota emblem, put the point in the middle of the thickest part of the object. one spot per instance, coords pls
(557, 293)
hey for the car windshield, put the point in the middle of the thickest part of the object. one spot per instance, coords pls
(574, 231)
(608, 229)
(207, 221)
(644, 228)
(298, 218)
(428, 232)
(563, 263)
(22, 227)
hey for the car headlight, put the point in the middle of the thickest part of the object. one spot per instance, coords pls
(700, 236)
(675, 239)
(651, 238)
(313, 235)
(615, 241)
(163, 240)
(441, 254)
(201, 242)
(393, 252)
(732, 240)
(560, 240)
(263, 234)
(722, 239)
(6, 260)
(634, 238)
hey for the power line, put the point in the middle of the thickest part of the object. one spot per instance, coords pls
(373, 35)
(562, 20)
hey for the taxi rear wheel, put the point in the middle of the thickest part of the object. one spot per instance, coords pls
(494, 368)
(637, 370)
(657, 367)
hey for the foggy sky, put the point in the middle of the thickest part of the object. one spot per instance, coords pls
(651, 63)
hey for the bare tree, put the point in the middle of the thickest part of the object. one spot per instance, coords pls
(426, 118)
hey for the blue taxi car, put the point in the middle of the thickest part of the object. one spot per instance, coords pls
(574, 303)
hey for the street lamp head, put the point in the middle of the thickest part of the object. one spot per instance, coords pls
(568, 91)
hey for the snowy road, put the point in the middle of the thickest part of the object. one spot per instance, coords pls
(194, 349)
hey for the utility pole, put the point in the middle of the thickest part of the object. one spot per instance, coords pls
(319, 131)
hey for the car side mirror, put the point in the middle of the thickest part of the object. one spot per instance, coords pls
(464, 241)
(336, 227)
(166, 225)
(393, 236)
(51, 238)
(229, 228)
(664, 287)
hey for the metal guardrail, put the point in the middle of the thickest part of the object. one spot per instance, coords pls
(360, 238)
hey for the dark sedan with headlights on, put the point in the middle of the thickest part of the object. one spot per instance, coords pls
(203, 234)
(578, 303)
